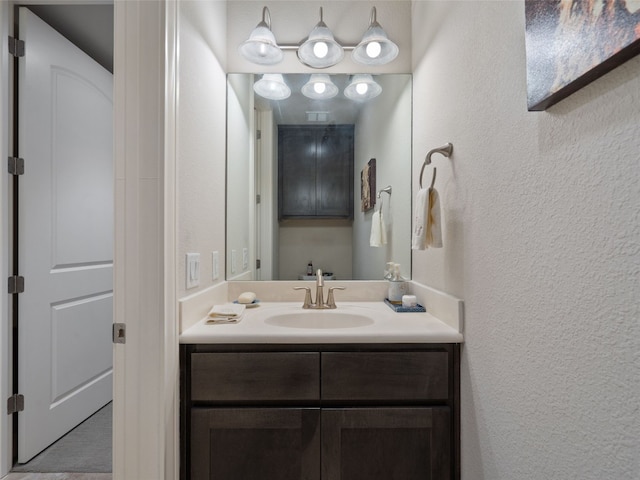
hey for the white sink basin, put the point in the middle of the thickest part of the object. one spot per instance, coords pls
(322, 319)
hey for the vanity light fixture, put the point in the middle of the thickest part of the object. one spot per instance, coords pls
(261, 47)
(320, 50)
(375, 48)
(319, 87)
(272, 86)
(362, 87)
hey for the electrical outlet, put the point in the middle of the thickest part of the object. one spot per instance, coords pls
(234, 261)
(193, 270)
(245, 259)
(215, 265)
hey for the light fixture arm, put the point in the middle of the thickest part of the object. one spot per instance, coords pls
(373, 16)
(266, 17)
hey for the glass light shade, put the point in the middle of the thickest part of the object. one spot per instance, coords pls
(272, 86)
(320, 50)
(261, 47)
(362, 87)
(375, 48)
(319, 87)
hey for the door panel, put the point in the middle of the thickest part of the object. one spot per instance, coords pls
(255, 443)
(409, 443)
(65, 236)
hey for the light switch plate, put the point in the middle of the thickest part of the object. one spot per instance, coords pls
(234, 261)
(245, 259)
(193, 270)
(215, 265)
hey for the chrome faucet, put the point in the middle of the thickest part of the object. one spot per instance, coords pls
(319, 303)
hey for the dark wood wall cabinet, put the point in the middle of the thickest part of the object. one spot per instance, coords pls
(315, 171)
(320, 412)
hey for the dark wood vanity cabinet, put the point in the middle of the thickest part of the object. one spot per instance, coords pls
(320, 412)
(315, 171)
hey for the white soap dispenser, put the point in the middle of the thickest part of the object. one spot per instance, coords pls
(397, 284)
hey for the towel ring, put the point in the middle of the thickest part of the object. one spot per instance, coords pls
(445, 150)
(386, 189)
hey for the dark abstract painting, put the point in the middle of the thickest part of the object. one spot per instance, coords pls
(368, 185)
(570, 43)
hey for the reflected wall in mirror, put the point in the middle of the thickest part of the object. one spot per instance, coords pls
(260, 246)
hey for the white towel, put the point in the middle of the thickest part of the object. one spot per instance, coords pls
(434, 225)
(419, 237)
(378, 236)
(427, 229)
(229, 313)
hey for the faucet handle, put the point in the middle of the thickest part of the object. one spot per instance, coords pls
(331, 303)
(307, 296)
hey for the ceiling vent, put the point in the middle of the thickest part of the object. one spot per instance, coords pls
(317, 116)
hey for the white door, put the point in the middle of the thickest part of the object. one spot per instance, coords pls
(65, 244)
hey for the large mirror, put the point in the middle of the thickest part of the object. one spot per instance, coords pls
(264, 240)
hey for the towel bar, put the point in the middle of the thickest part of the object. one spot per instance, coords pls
(445, 150)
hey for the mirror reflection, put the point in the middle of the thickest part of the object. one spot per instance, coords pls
(307, 178)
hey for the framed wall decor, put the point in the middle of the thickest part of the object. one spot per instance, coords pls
(368, 185)
(570, 43)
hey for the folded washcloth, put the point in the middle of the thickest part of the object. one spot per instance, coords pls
(434, 224)
(427, 223)
(378, 236)
(229, 313)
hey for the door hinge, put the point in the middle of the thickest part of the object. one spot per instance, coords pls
(257, 263)
(258, 199)
(16, 166)
(16, 47)
(119, 333)
(16, 284)
(258, 134)
(15, 404)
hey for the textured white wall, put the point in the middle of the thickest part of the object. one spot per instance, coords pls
(542, 240)
(326, 243)
(201, 137)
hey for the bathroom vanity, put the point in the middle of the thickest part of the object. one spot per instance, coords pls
(341, 408)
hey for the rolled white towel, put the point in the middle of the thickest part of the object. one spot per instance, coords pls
(228, 313)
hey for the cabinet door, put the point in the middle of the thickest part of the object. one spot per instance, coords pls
(255, 443)
(334, 187)
(250, 377)
(315, 171)
(386, 444)
(385, 376)
(296, 172)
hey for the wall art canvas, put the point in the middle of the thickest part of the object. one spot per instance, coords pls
(368, 185)
(570, 43)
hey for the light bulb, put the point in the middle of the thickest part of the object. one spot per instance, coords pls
(362, 88)
(262, 49)
(319, 87)
(320, 49)
(373, 49)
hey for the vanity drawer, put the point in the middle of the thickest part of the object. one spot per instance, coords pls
(385, 376)
(255, 377)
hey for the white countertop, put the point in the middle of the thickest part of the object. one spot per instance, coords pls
(388, 327)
